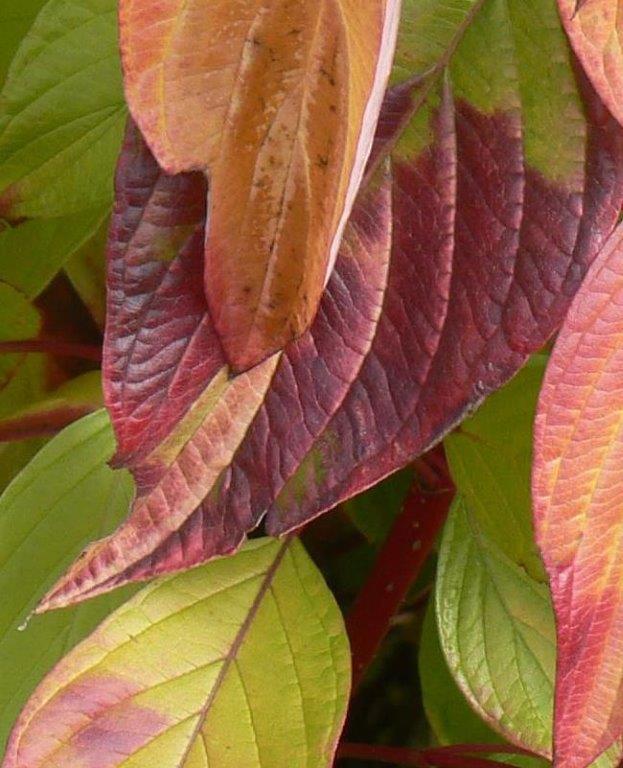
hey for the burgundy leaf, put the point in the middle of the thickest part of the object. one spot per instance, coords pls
(160, 348)
(486, 255)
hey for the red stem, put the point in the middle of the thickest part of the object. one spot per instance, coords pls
(54, 347)
(456, 756)
(482, 749)
(42, 424)
(399, 755)
(398, 564)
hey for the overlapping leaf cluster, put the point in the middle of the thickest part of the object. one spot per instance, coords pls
(311, 280)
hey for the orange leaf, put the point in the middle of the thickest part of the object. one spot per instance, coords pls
(578, 507)
(277, 100)
(595, 28)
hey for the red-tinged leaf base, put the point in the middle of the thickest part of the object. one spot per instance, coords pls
(578, 497)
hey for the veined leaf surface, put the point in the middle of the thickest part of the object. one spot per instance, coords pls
(244, 662)
(16, 16)
(595, 28)
(477, 280)
(62, 113)
(43, 525)
(494, 609)
(32, 253)
(497, 630)
(577, 494)
(278, 101)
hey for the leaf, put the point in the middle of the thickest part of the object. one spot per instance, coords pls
(495, 620)
(69, 402)
(219, 419)
(478, 279)
(16, 16)
(43, 526)
(86, 270)
(279, 109)
(23, 378)
(490, 457)
(497, 631)
(595, 29)
(241, 663)
(19, 320)
(493, 605)
(576, 493)
(62, 113)
(28, 381)
(451, 718)
(155, 268)
(374, 511)
(32, 253)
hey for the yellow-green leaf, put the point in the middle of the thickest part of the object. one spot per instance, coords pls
(64, 497)
(242, 663)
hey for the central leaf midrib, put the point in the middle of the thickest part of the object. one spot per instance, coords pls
(239, 639)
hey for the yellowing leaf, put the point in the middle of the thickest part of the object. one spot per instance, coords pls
(243, 663)
(277, 100)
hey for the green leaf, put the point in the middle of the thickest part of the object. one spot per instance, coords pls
(62, 112)
(497, 631)
(86, 270)
(19, 320)
(494, 611)
(374, 511)
(451, 718)
(243, 662)
(490, 458)
(16, 16)
(47, 415)
(61, 500)
(27, 382)
(32, 253)
(496, 627)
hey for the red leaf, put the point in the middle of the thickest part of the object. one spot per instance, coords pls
(595, 29)
(578, 490)
(486, 255)
(160, 348)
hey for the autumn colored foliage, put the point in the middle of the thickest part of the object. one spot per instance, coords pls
(310, 383)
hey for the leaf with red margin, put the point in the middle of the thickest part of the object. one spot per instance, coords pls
(277, 102)
(487, 252)
(577, 491)
(595, 28)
